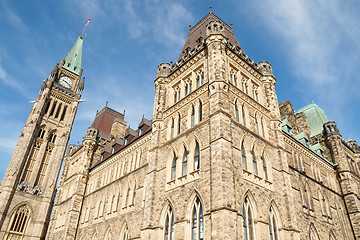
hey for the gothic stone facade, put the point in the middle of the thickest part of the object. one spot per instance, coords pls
(220, 159)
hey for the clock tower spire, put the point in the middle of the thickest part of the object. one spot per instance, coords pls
(28, 188)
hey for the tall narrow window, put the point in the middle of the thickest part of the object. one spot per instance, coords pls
(19, 222)
(255, 171)
(197, 157)
(186, 89)
(63, 113)
(248, 224)
(127, 197)
(53, 109)
(200, 112)
(273, 231)
(243, 115)
(173, 168)
(264, 168)
(197, 81)
(236, 112)
(262, 127)
(184, 163)
(172, 127)
(256, 125)
(192, 116)
(169, 225)
(58, 111)
(134, 195)
(202, 78)
(125, 234)
(243, 157)
(197, 221)
(179, 124)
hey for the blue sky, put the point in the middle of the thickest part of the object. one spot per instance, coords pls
(312, 46)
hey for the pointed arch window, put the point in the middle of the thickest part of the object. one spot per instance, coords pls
(254, 161)
(185, 162)
(200, 111)
(273, 229)
(125, 234)
(173, 168)
(169, 225)
(19, 221)
(192, 116)
(197, 157)
(248, 223)
(63, 113)
(243, 157)
(53, 109)
(264, 168)
(197, 221)
(262, 127)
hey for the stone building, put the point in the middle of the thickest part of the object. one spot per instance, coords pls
(220, 159)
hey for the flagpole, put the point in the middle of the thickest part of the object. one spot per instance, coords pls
(82, 34)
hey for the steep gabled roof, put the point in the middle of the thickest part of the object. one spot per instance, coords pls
(104, 121)
(316, 118)
(199, 30)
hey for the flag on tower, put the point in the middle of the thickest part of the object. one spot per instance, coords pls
(89, 20)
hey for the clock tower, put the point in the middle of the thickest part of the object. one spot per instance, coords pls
(28, 188)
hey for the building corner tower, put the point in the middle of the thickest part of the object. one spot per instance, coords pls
(28, 188)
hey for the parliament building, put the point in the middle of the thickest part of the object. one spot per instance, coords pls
(220, 158)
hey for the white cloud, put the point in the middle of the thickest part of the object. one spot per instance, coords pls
(7, 80)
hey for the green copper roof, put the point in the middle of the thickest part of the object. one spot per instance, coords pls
(316, 118)
(73, 58)
(285, 125)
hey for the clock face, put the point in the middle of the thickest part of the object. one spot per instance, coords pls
(65, 81)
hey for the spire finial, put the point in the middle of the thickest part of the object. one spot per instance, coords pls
(106, 103)
(210, 9)
(189, 27)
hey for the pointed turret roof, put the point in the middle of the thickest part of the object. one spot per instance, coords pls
(198, 33)
(73, 58)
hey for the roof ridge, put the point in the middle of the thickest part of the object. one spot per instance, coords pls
(197, 25)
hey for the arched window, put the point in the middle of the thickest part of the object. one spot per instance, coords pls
(192, 116)
(243, 157)
(262, 127)
(255, 171)
(273, 230)
(197, 221)
(332, 236)
(125, 234)
(172, 127)
(313, 233)
(184, 162)
(197, 157)
(108, 235)
(236, 112)
(264, 168)
(173, 168)
(248, 223)
(169, 225)
(200, 112)
(19, 222)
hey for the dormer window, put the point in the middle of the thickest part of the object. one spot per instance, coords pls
(102, 156)
(127, 140)
(141, 130)
(113, 149)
